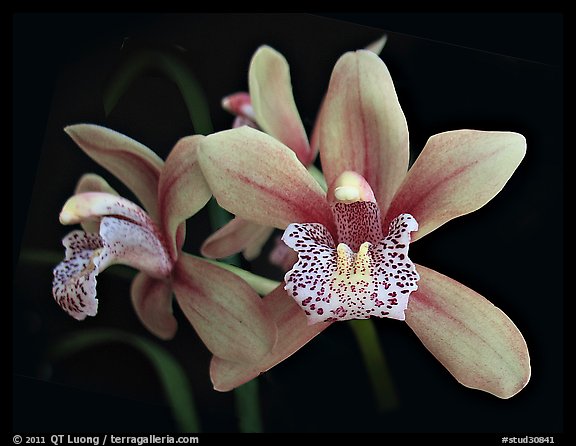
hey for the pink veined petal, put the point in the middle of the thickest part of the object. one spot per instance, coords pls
(273, 101)
(376, 47)
(362, 126)
(259, 239)
(341, 284)
(478, 344)
(227, 314)
(136, 246)
(238, 235)
(293, 333)
(133, 163)
(257, 178)
(457, 173)
(182, 190)
(152, 300)
(91, 182)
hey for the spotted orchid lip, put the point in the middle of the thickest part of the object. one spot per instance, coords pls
(333, 283)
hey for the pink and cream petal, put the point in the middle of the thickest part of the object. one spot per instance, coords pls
(259, 179)
(457, 173)
(362, 127)
(227, 314)
(273, 101)
(254, 247)
(133, 163)
(478, 344)
(95, 205)
(182, 190)
(135, 246)
(236, 236)
(293, 333)
(152, 301)
(91, 182)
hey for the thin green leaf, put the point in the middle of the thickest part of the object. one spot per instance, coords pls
(172, 376)
(175, 68)
(248, 407)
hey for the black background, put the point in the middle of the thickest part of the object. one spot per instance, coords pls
(451, 71)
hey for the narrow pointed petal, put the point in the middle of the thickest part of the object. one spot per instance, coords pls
(182, 189)
(293, 333)
(457, 173)
(134, 164)
(362, 127)
(236, 236)
(478, 344)
(378, 45)
(227, 314)
(152, 300)
(259, 179)
(91, 182)
(273, 101)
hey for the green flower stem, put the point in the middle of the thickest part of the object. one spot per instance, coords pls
(176, 68)
(375, 362)
(248, 407)
(173, 378)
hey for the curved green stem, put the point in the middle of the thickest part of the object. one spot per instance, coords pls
(173, 378)
(375, 363)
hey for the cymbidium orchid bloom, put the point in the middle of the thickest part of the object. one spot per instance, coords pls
(227, 314)
(269, 106)
(352, 241)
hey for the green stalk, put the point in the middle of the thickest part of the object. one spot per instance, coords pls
(172, 376)
(248, 407)
(375, 363)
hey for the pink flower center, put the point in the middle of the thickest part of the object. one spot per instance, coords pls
(366, 274)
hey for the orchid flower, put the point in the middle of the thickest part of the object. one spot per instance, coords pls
(268, 106)
(352, 242)
(227, 314)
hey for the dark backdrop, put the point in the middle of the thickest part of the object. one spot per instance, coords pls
(451, 71)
